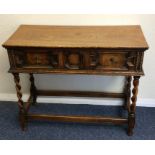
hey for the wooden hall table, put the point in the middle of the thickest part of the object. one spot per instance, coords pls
(104, 50)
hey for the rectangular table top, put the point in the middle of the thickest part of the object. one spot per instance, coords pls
(78, 37)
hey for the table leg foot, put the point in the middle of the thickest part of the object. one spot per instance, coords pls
(22, 121)
(130, 132)
(131, 123)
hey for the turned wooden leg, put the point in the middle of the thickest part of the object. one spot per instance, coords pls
(33, 89)
(127, 90)
(22, 112)
(131, 115)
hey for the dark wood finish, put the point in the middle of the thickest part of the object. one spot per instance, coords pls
(28, 103)
(22, 112)
(131, 119)
(88, 72)
(79, 119)
(127, 90)
(102, 50)
(33, 90)
(76, 61)
(79, 94)
(33, 94)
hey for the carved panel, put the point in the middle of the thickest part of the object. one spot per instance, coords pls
(112, 61)
(19, 58)
(139, 61)
(33, 59)
(37, 58)
(131, 60)
(94, 59)
(77, 59)
(74, 60)
(54, 59)
(43, 59)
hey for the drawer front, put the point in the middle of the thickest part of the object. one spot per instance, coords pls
(116, 61)
(77, 59)
(112, 60)
(35, 59)
(53, 59)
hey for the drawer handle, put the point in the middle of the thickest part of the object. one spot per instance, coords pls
(112, 60)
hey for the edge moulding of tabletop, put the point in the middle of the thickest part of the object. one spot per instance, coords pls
(91, 50)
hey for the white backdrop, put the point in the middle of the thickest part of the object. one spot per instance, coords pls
(9, 23)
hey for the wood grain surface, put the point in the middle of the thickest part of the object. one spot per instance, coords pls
(78, 37)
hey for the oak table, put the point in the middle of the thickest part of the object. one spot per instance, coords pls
(99, 50)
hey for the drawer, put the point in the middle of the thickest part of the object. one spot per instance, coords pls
(116, 60)
(77, 59)
(100, 59)
(112, 60)
(36, 59)
(52, 59)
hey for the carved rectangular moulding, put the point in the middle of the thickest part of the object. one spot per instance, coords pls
(76, 60)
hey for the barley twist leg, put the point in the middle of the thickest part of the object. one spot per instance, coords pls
(22, 113)
(127, 92)
(131, 116)
(33, 89)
